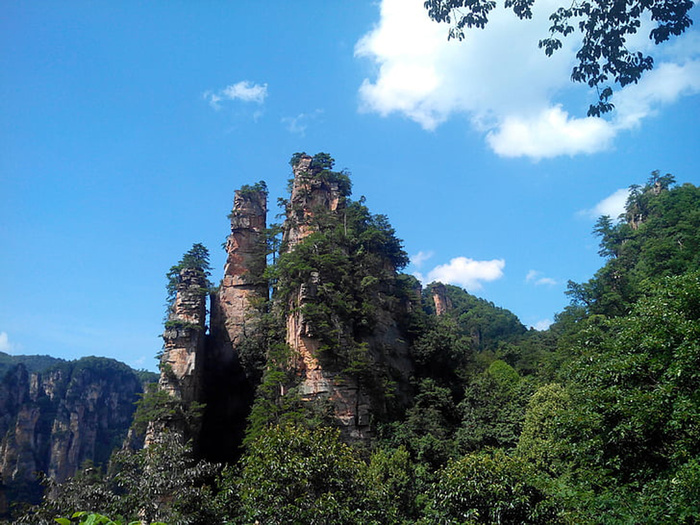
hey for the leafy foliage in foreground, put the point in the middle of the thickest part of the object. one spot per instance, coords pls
(490, 488)
(294, 475)
(159, 483)
(91, 518)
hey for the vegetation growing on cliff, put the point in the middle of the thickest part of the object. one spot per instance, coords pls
(195, 259)
(596, 420)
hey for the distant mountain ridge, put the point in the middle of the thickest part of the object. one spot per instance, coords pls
(33, 363)
(55, 415)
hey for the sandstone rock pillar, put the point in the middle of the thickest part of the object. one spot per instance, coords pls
(230, 385)
(441, 300)
(233, 310)
(183, 338)
(310, 196)
(313, 196)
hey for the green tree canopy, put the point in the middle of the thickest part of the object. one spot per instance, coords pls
(294, 475)
(197, 259)
(659, 236)
(489, 488)
(604, 57)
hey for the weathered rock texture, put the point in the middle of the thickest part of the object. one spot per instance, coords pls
(182, 359)
(54, 421)
(310, 196)
(441, 300)
(320, 381)
(215, 370)
(228, 390)
(234, 315)
(184, 336)
(353, 401)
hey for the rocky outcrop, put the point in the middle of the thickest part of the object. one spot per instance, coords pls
(318, 201)
(312, 196)
(222, 369)
(184, 336)
(441, 300)
(230, 383)
(56, 420)
(320, 380)
(234, 315)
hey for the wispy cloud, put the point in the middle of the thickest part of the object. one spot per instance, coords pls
(245, 91)
(488, 78)
(465, 272)
(5, 344)
(613, 205)
(419, 258)
(299, 124)
(536, 278)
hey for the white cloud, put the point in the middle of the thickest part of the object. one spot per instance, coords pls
(5, 344)
(536, 278)
(663, 85)
(244, 91)
(465, 272)
(550, 133)
(299, 124)
(544, 324)
(501, 81)
(418, 259)
(612, 205)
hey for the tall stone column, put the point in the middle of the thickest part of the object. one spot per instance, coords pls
(233, 312)
(184, 336)
(310, 195)
(229, 388)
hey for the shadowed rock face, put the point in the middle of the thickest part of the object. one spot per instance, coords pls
(56, 420)
(227, 391)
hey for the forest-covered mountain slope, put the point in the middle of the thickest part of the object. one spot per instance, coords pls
(33, 363)
(363, 397)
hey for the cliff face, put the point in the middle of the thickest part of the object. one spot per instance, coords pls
(56, 420)
(326, 375)
(348, 374)
(441, 300)
(230, 387)
(183, 338)
(311, 196)
(233, 308)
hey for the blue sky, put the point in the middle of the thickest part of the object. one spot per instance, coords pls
(126, 127)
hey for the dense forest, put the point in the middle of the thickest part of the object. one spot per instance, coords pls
(595, 420)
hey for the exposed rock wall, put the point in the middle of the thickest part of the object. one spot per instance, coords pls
(441, 300)
(310, 196)
(320, 381)
(182, 359)
(183, 338)
(233, 313)
(54, 421)
(322, 378)
(228, 390)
